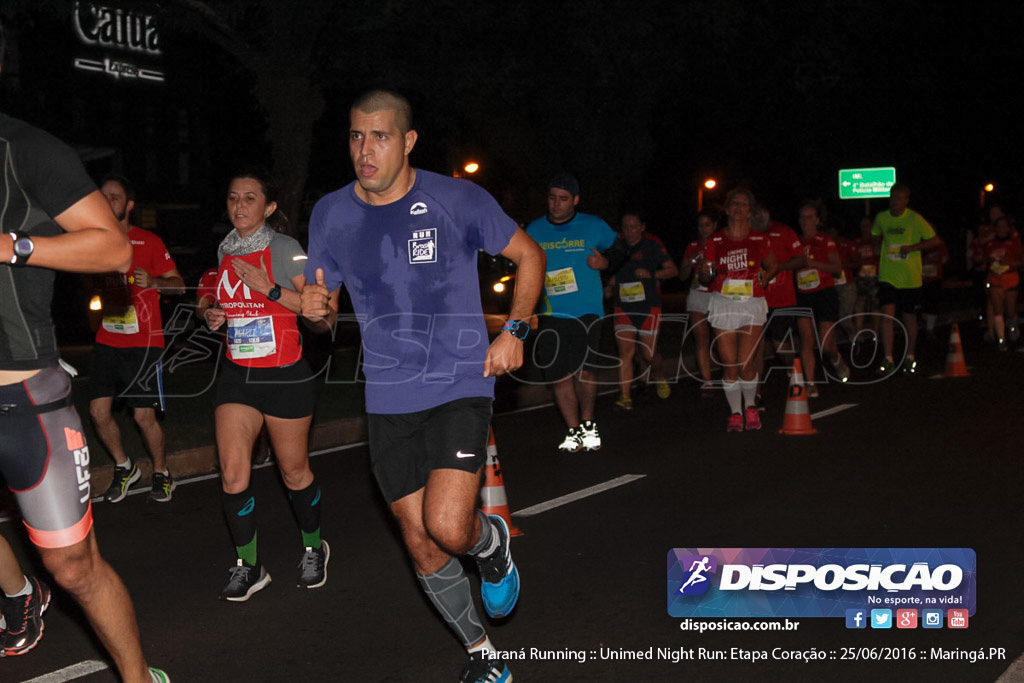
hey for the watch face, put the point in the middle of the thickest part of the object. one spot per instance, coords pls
(23, 247)
(519, 329)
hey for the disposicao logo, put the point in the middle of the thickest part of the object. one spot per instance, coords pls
(696, 580)
(817, 582)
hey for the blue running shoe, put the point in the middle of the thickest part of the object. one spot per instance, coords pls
(500, 585)
(480, 669)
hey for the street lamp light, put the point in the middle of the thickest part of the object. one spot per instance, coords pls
(710, 184)
(989, 187)
(471, 167)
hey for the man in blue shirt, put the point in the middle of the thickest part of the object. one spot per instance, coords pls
(404, 242)
(570, 322)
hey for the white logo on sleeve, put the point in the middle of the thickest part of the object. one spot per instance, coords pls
(423, 246)
(460, 454)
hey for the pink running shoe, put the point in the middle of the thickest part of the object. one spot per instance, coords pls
(753, 419)
(735, 423)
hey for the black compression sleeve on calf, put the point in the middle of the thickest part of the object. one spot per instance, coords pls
(306, 504)
(240, 514)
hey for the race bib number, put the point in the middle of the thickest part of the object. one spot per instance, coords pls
(738, 290)
(869, 270)
(126, 323)
(930, 270)
(631, 292)
(808, 279)
(558, 282)
(999, 268)
(894, 253)
(251, 337)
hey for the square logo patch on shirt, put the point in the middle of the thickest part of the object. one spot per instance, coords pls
(423, 246)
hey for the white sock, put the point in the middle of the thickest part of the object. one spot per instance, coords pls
(24, 591)
(734, 395)
(749, 389)
(484, 644)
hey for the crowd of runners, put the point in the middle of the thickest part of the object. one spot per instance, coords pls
(404, 243)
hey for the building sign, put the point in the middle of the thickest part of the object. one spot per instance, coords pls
(121, 43)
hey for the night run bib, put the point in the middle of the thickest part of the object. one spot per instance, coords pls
(126, 323)
(251, 337)
(631, 292)
(808, 279)
(562, 281)
(738, 290)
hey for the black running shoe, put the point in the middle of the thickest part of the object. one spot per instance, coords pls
(245, 580)
(480, 669)
(313, 567)
(24, 617)
(124, 477)
(162, 487)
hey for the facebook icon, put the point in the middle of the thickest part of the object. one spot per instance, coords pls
(856, 618)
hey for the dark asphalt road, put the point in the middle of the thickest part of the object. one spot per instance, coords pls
(914, 462)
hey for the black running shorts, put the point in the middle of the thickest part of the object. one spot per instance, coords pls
(285, 392)
(823, 302)
(406, 448)
(907, 301)
(565, 346)
(133, 374)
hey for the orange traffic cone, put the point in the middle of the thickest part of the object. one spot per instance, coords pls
(955, 358)
(798, 416)
(492, 496)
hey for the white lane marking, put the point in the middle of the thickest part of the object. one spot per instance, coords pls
(578, 495)
(832, 411)
(70, 673)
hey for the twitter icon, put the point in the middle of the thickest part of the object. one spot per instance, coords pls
(881, 618)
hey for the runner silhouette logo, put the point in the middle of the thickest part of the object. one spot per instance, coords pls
(696, 580)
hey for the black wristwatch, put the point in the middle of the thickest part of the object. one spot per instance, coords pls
(23, 248)
(519, 329)
(275, 292)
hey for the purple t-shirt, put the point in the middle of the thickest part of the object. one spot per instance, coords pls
(410, 268)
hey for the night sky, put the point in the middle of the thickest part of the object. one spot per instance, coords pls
(641, 100)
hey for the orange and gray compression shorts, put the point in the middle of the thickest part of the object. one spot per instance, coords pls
(44, 459)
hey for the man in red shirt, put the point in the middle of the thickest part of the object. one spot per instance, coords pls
(125, 359)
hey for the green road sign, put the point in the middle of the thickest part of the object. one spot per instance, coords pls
(865, 183)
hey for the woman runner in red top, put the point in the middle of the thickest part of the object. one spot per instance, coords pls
(264, 381)
(816, 291)
(737, 263)
(699, 297)
(1002, 259)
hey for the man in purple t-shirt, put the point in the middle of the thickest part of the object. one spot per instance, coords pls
(404, 242)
